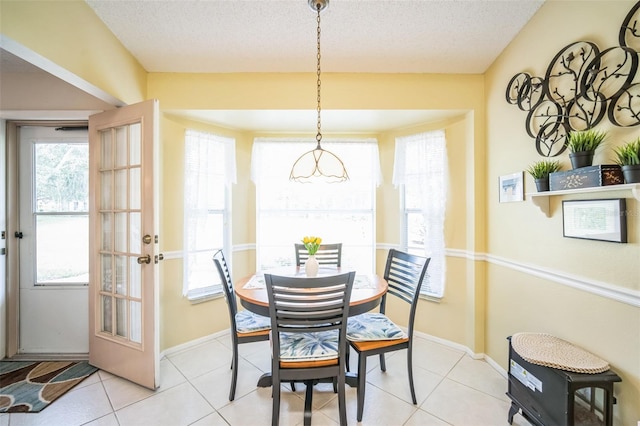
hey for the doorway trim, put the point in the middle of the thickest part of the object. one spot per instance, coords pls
(13, 225)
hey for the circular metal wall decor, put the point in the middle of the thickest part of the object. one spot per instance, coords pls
(581, 86)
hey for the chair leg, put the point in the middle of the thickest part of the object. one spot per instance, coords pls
(275, 411)
(346, 357)
(342, 404)
(383, 365)
(362, 380)
(410, 371)
(234, 373)
(308, 398)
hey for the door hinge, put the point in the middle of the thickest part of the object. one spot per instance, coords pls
(18, 234)
(3, 251)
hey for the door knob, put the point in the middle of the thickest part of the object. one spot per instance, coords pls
(144, 259)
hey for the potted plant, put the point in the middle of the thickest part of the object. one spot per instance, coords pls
(540, 172)
(582, 145)
(628, 156)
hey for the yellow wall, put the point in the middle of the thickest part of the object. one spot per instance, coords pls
(508, 264)
(69, 34)
(209, 317)
(523, 243)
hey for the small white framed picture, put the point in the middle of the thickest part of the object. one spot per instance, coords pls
(511, 187)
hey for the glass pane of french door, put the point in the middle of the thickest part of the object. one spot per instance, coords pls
(120, 233)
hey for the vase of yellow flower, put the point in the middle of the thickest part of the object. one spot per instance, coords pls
(311, 265)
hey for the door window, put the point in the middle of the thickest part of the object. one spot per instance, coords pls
(60, 213)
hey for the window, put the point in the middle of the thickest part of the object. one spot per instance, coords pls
(210, 169)
(337, 212)
(59, 210)
(420, 171)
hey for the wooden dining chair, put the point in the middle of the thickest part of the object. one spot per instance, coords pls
(327, 254)
(246, 327)
(374, 333)
(308, 339)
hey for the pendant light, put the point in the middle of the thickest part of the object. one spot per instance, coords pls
(318, 165)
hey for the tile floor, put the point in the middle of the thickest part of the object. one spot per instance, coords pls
(452, 389)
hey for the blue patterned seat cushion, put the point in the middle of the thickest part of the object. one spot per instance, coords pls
(248, 322)
(308, 346)
(373, 326)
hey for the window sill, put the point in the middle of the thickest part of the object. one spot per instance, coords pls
(204, 294)
(431, 298)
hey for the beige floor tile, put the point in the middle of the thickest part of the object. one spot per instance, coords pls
(396, 381)
(422, 418)
(195, 383)
(479, 375)
(461, 405)
(254, 409)
(213, 419)
(258, 354)
(380, 408)
(122, 392)
(434, 357)
(92, 379)
(214, 386)
(178, 406)
(201, 359)
(108, 420)
(76, 407)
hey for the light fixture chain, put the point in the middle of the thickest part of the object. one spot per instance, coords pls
(319, 134)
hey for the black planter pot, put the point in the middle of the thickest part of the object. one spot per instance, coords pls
(542, 185)
(581, 159)
(631, 173)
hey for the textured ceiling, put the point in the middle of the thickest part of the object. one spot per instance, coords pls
(382, 36)
(385, 36)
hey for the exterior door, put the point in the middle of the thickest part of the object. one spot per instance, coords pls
(53, 239)
(123, 244)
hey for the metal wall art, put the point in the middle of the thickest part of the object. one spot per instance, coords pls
(581, 86)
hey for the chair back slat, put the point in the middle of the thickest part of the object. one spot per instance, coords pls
(405, 273)
(303, 305)
(327, 254)
(227, 286)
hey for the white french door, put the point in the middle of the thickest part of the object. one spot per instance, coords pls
(123, 290)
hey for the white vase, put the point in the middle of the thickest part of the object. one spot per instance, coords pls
(311, 266)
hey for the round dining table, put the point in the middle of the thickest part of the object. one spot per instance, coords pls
(366, 294)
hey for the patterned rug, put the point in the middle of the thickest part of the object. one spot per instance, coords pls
(30, 386)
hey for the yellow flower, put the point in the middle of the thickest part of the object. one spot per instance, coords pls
(312, 244)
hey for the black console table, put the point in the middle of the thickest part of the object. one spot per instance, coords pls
(551, 397)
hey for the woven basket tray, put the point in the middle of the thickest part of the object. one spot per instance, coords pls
(549, 351)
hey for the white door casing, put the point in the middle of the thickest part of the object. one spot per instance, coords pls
(53, 243)
(123, 245)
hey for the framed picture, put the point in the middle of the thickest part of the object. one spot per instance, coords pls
(511, 187)
(603, 220)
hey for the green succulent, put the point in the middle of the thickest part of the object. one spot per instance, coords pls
(542, 168)
(586, 140)
(628, 154)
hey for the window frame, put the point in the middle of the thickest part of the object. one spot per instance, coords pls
(214, 290)
(400, 180)
(369, 213)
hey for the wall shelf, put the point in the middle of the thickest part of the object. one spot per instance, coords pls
(541, 199)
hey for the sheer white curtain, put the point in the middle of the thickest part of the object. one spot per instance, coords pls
(210, 169)
(420, 170)
(337, 212)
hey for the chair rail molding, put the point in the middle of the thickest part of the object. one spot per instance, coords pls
(617, 293)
